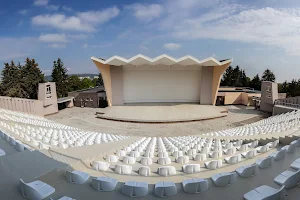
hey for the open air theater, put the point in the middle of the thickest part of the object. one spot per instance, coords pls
(61, 157)
(162, 83)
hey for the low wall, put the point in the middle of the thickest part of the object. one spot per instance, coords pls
(279, 109)
(29, 106)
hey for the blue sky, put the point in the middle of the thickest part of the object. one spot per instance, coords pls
(257, 34)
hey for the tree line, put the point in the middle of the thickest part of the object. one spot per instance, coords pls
(22, 80)
(236, 77)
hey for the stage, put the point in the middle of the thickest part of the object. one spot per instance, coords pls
(163, 113)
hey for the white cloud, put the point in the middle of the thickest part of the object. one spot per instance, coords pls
(53, 38)
(147, 12)
(99, 17)
(268, 26)
(78, 36)
(84, 21)
(66, 8)
(57, 46)
(172, 46)
(40, 2)
(23, 12)
(62, 22)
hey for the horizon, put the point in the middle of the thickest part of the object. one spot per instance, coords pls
(256, 34)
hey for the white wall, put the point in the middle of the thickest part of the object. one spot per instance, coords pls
(161, 84)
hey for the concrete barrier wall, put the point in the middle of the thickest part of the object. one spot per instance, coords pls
(29, 106)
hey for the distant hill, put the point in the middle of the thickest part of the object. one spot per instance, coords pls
(49, 78)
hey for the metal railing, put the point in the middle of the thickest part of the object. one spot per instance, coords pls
(283, 102)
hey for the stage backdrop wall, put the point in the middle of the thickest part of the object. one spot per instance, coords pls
(161, 84)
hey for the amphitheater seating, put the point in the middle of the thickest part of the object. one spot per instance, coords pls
(100, 166)
(195, 185)
(296, 164)
(123, 169)
(145, 171)
(288, 178)
(213, 164)
(135, 189)
(35, 190)
(278, 155)
(77, 177)
(191, 168)
(104, 184)
(224, 179)
(2, 152)
(166, 171)
(265, 192)
(233, 159)
(165, 189)
(247, 170)
(264, 162)
(44, 134)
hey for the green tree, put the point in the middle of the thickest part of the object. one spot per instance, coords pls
(11, 80)
(100, 80)
(86, 83)
(227, 77)
(31, 77)
(60, 77)
(74, 83)
(255, 83)
(268, 75)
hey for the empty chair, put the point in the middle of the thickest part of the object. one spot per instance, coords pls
(111, 158)
(253, 144)
(121, 153)
(289, 148)
(100, 165)
(19, 146)
(135, 154)
(278, 155)
(77, 177)
(213, 164)
(177, 153)
(228, 146)
(264, 162)
(195, 185)
(35, 190)
(216, 154)
(12, 141)
(243, 147)
(288, 178)
(200, 157)
(224, 179)
(191, 168)
(249, 154)
(123, 169)
(165, 189)
(296, 164)
(144, 171)
(164, 161)
(233, 159)
(163, 154)
(166, 171)
(146, 161)
(182, 159)
(230, 151)
(205, 150)
(265, 192)
(273, 144)
(238, 143)
(263, 149)
(2, 152)
(104, 184)
(247, 170)
(128, 160)
(191, 152)
(135, 189)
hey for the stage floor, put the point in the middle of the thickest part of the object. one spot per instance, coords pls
(162, 114)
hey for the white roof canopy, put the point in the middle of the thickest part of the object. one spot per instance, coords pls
(161, 60)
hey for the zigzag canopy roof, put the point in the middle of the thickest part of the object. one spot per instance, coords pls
(160, 60)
